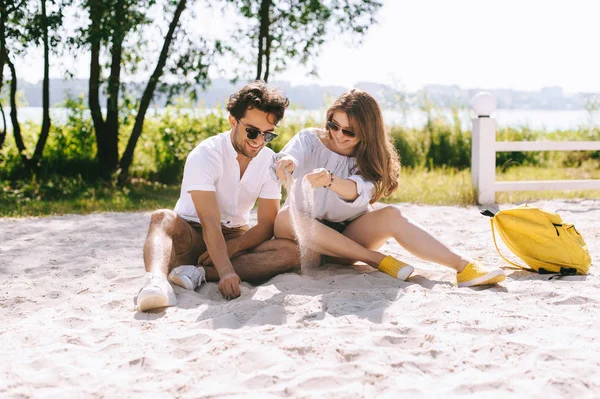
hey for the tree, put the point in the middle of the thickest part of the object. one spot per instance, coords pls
(25, 26)
(149, 92)
(12, 18)
(285, 31)
(111, 22)
(41, 28)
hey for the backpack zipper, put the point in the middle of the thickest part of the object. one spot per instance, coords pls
(555, 228)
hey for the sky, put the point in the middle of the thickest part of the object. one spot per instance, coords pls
(516, 44)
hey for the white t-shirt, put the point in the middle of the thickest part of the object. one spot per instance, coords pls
(212, 166)
(309, 153)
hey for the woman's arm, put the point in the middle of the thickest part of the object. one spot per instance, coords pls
(353, 190)
(292, 156)
(346, 189)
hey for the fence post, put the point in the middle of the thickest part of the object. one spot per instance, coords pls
(483, 148)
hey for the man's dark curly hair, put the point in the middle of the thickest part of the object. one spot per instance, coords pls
(258, 95)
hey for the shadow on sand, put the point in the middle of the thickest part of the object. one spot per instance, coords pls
(328, 291)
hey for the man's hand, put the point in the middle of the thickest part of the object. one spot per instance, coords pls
(284, 167)
(319, 178)
(232, 249)
(229, 286)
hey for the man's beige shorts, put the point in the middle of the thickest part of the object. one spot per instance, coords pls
(198, 247)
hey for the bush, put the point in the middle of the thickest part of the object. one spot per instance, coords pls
(167, 140)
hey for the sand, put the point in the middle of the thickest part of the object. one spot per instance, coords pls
(69, 327)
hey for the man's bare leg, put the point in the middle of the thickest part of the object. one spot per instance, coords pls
(262, 262)
(168, 235)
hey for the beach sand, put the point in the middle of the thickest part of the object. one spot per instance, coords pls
(69, 327)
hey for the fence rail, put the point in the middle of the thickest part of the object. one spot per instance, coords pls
(509, 146)
(485, 147)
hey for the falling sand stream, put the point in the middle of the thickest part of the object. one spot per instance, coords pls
(304, 223)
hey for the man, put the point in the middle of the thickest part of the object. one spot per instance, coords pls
(223, 177)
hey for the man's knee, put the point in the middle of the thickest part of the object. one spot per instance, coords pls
(163, 219)
(289, 252)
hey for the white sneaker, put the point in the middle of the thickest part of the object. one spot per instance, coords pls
(188, 276)
(155, 293)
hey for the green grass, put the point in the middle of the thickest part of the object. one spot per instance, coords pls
(138, 196)
(442, 186)
(588, 170)
(446, 186)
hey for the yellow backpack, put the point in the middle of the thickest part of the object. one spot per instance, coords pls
(541, 239)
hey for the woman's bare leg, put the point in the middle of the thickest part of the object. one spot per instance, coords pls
(325, 240)
(373, 229)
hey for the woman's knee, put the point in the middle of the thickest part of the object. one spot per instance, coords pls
(283, 225)
(392, 214)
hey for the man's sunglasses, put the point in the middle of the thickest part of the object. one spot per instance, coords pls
(252, 133)
(335, 127)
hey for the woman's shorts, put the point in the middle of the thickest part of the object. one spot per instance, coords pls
(337, 226)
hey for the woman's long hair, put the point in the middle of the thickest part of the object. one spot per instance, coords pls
(376, 156)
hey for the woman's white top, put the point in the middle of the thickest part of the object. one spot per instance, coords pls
(309, 153)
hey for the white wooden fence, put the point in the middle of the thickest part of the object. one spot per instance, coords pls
(485, 147)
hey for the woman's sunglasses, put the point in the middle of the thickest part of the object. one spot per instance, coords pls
(335, 127)
(252, 133)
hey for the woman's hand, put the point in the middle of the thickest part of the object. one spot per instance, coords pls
(284, 167)
(319, 178)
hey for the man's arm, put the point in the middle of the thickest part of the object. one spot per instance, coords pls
(263, 231)
(208, 211)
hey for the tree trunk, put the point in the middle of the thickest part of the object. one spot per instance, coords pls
(94, 85)
(114, 83)
(39, 148)
(127, 158)
(13, 111)
(263, 39)
(3, 133)
(267, 57)
(3, 53)
(260, 57)
(2, 62)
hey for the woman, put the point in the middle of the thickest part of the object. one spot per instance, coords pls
(351, 164)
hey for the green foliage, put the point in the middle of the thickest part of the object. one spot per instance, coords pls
(435, 159)
(74, 140)
(177, 134)
(70, 150)
(284, 32)
(169, 138)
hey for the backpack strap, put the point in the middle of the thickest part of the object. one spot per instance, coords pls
(503, 257)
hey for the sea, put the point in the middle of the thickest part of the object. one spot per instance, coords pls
(537, 119)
